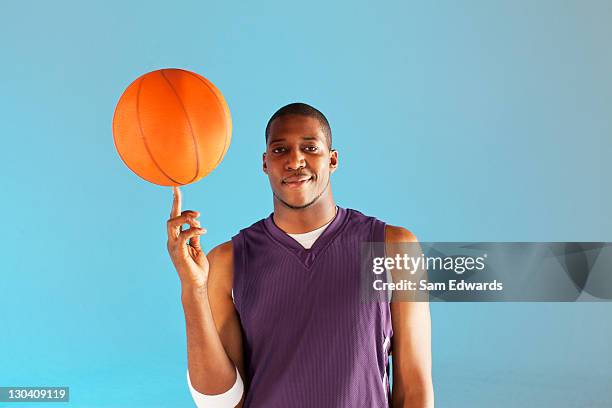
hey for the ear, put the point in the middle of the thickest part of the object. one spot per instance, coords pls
(333, 160)
(265, 166)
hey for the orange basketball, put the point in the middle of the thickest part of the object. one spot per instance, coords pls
(172, 127)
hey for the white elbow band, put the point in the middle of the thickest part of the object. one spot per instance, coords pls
(229, 399)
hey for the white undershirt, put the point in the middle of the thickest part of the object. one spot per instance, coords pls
(307, 239)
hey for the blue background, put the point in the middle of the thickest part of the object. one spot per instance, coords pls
(462, 121)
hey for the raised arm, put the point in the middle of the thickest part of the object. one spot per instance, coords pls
(214, 341)
(411, 342)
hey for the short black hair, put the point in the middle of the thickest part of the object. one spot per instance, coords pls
(303, 109)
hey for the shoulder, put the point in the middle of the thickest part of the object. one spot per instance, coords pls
(398, 234)
(392, 233)
(221, 271)
(221, 253)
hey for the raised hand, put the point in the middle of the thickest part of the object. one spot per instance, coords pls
(184, 245)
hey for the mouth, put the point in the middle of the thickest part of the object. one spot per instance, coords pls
(296, 183)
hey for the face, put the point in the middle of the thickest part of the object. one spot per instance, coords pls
(298, 160)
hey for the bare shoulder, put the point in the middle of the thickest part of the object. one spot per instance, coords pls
(221, 272)
(398, 234)
(221, 253)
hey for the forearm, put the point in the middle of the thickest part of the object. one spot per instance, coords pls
(210, 369)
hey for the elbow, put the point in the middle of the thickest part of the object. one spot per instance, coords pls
(419, 395)
(228, 399)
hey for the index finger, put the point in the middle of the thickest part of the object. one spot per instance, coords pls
(176, 203)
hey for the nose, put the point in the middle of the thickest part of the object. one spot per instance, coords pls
(295, 160)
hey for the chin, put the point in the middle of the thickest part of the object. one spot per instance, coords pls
(301, 202)
(296, 203)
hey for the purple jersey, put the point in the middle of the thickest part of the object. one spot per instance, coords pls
(309, 338)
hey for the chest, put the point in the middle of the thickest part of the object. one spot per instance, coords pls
(279, 293)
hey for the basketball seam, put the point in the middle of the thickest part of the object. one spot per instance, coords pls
(142, 135)
(195, 142)
(222, 109)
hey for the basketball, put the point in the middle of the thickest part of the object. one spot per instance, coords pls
(172, 127)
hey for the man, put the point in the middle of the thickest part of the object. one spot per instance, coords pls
(278, 305)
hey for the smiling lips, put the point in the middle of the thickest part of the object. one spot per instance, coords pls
(296, 181)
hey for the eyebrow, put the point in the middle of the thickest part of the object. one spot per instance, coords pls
(283, 140)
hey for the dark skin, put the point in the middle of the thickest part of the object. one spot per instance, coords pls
(299, 164)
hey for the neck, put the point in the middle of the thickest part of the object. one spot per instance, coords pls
(298, 221)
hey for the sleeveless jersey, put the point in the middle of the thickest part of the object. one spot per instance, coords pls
(310, 340)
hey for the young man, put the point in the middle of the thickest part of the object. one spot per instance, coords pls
(279, 306)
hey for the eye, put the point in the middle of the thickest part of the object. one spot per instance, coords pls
(278, 150)
(311, 148)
